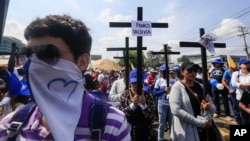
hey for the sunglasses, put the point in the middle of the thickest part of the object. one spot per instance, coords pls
(190, 70)
(47, 53)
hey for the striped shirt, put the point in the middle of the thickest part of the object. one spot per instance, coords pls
(116, 128)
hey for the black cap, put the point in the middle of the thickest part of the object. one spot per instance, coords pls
(187, 65)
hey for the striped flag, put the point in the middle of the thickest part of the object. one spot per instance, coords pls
(231, 62)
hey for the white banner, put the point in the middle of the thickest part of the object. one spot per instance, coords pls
(141, 28)
(207, 41)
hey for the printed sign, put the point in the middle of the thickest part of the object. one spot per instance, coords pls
(141, 28)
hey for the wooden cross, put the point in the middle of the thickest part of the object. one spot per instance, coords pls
(204, 57)
(126, 58)
(139, 44)
(166, 53)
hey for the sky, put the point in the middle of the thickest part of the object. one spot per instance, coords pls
(184, 17)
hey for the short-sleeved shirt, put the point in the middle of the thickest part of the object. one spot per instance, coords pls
(116, 128)
(227, 76)
(162, 83)
(239, 78)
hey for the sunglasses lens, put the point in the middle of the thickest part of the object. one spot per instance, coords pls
(190, 70)
(48, 53)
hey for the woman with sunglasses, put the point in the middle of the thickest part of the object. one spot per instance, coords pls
(186, 100)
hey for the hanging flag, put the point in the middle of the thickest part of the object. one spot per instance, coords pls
(231, 62)
(207, 42)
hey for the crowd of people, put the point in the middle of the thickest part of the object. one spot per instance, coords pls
(58, 88)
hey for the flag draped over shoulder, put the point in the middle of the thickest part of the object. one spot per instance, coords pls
(231, 62)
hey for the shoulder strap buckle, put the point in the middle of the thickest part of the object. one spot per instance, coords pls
(96, 134)
(14, 128)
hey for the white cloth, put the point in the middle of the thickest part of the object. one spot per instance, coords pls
(207, 41)
(100, 77)
(58, 92)
(237, 79)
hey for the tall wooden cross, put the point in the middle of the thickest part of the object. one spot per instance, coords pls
(204, 57)
(126, 58)
(166, 53)
(139, 44)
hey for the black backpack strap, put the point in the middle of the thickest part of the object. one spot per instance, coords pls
(97, 118)
(19, 120)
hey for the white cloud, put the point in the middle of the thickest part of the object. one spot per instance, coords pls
(105, 16)
(74, 6)
(228, 28)
(107, 40)
(121, 18)
(109, 1)
(15, 29)
(166, 19)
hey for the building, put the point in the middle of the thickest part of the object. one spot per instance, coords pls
(6, 44)
(197, 58)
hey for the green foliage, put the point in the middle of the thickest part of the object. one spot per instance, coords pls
(183, 59)
(133, 54)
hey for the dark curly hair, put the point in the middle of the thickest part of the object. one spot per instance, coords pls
(73, 32)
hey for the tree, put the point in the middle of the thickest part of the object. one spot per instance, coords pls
(156, 60)
(133, 54)
(183, 59)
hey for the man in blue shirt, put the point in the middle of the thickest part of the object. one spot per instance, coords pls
(226, 81)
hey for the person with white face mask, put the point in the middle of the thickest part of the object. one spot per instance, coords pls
(61, 49)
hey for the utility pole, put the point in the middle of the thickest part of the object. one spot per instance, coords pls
(244, 32)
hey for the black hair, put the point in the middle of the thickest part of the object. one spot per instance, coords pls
(73, 32)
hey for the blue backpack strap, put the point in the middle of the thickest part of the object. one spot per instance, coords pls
(97, 118)
(19, 120)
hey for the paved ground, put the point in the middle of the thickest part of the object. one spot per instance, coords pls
(221, 122)
(166, 136)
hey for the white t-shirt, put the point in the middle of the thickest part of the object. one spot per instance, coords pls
(162, 83)
(237, 79)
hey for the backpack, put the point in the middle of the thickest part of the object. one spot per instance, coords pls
(96, 121)
(217, 73)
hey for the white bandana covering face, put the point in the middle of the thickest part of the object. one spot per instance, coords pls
(58, 91)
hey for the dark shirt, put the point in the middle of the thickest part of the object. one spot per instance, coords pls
(245, 99)
(217, 73)
(197, 98)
